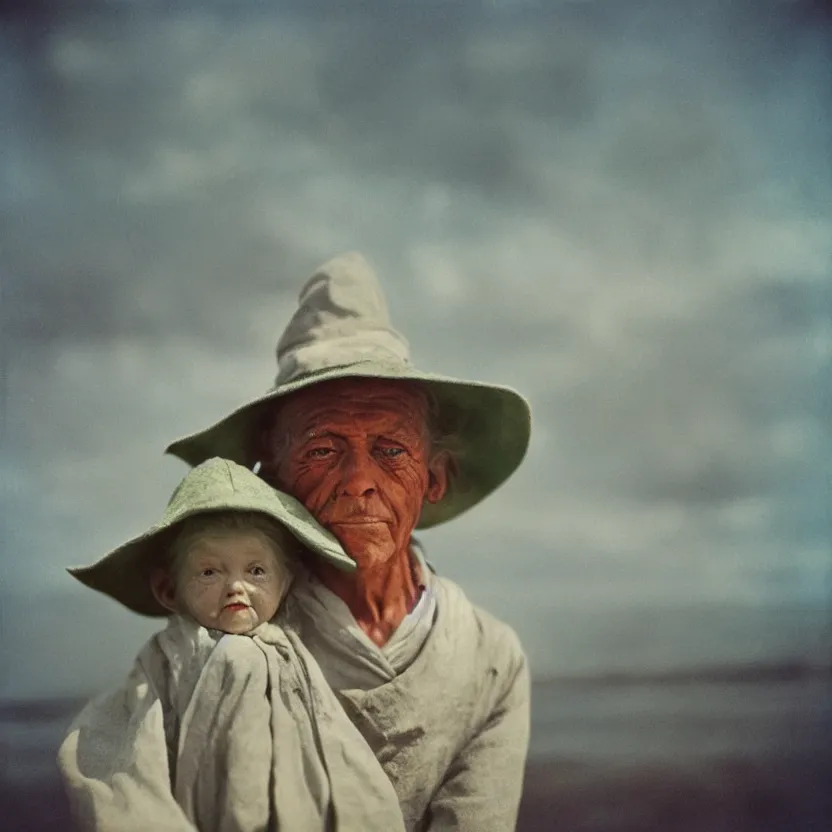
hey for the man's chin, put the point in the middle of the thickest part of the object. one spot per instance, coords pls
(368, 544)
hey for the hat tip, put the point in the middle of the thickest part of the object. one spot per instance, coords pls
(348, 266)
(353, 255)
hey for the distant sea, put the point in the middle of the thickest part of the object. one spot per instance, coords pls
(728, 750)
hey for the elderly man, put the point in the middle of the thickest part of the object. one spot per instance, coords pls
(374, 449)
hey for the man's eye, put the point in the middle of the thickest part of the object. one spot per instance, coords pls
(319, 453)
(391, 452)
(208, 573)
(258, 571)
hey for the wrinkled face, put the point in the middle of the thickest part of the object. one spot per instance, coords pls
(356, 453)
(231, 581)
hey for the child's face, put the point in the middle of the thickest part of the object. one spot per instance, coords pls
(231, 581)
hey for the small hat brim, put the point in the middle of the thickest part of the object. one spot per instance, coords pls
(124, 574)
(492, 426)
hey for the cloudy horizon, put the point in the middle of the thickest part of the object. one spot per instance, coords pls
(624, 210)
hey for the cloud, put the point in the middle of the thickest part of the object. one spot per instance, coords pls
(621, 209)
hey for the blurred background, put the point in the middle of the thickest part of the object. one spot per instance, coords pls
(623, 209)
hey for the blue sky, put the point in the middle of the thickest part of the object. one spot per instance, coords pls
(622, 209)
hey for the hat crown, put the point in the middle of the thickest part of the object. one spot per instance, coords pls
(214, 482)
(342, 318)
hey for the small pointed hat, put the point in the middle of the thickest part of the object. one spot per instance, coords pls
(342, 329)
(215, 485)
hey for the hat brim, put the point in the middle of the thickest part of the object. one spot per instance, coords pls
(124, 574)
(491, 425)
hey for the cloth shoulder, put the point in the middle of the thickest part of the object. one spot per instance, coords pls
(423, 722)
(177, 659)
(175, 655)
(468, 663)
(493, 639)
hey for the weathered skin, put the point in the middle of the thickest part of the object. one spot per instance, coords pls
(357, 453)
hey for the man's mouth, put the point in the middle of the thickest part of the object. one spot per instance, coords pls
(236, 607)
(358, 520)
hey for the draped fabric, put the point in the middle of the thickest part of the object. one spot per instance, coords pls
(451, 729)
(223, 733)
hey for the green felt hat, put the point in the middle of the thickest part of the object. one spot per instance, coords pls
(342, 329)
(215, 485)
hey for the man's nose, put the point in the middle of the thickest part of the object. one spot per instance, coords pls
(358, 475)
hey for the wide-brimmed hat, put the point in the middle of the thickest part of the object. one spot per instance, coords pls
(342, 329)
(215, 485)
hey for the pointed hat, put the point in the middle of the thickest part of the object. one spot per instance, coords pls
(342, 329)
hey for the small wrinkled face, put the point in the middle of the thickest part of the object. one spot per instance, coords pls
(356, 453)
(231, 581)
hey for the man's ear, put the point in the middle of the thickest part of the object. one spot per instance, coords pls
(163, 588)
(438, 473)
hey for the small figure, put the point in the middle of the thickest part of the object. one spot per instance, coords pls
(225, 722)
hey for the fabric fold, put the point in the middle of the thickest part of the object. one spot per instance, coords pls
(263, 743)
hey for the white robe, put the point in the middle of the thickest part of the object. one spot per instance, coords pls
(222, 733)
(451, 729)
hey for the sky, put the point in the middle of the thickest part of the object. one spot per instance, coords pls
(622, 209)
